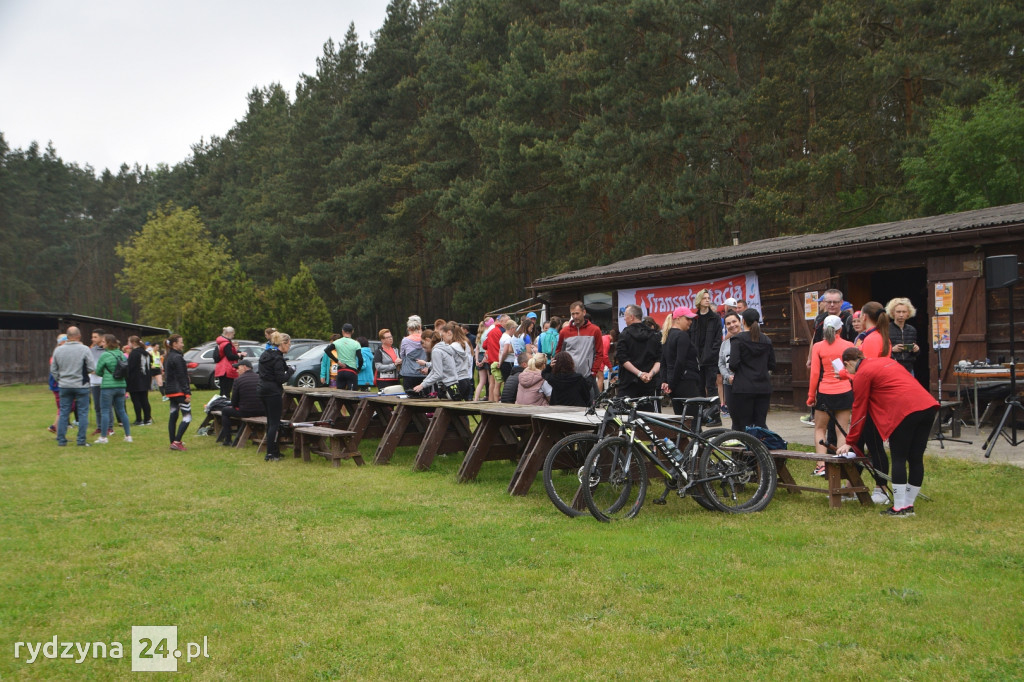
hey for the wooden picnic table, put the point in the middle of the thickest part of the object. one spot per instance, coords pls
(505, 432)
(407, 424)
(551, 427)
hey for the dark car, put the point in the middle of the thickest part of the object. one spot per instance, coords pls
(199, 361)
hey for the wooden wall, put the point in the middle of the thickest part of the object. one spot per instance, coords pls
(25, 355)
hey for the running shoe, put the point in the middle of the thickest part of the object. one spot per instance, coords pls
(51, 428)
(820, 470)
(807, 420)
(101, 439)
(178, 445)
(892, 511)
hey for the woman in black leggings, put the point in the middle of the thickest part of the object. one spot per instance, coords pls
(274, 371)
(752, 360)
(901, 411)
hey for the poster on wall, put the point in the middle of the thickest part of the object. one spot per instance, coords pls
(940, 332)
(810, 305)
(660, 301)
(943, 298)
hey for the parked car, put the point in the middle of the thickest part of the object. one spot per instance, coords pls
(199, 361)
(306, 364)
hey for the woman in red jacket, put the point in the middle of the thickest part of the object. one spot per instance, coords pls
(902, 411)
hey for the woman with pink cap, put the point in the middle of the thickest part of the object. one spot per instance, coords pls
(679, 369)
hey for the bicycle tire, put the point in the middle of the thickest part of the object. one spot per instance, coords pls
(618, 480)
(750, 475)
(697, 491)
(563, 471)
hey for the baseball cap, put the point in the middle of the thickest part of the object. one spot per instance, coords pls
(62, 338)
(242, 362)
(833, 321)
(731, 302)
(683, 311)
(533, 315)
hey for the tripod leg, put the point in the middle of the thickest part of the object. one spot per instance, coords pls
(990, 442)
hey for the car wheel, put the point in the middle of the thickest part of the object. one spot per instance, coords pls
(214, 383)
(306, 380)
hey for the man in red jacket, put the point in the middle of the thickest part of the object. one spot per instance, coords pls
(583, 341)
(903, 413)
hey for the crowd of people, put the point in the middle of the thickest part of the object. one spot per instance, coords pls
(859, 363)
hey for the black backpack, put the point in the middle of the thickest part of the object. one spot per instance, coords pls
(120, 369)
(216, 353)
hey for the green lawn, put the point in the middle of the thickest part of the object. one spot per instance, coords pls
(303, 571)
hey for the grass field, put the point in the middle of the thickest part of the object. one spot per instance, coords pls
(302, 571)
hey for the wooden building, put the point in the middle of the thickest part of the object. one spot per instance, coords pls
(27, 340)
(873, 262)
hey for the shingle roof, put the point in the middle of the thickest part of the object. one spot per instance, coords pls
(790, 245)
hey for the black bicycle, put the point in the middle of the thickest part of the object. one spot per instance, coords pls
(563, 466)
(732, 471)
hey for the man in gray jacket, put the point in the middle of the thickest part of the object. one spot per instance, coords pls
(72, 365)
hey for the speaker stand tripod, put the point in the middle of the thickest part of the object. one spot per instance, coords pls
(1013, 405)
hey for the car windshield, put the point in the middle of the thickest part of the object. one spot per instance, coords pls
(311, 353)
(299, 350)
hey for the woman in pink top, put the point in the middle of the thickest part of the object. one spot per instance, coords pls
(876, 342)
(826, 392)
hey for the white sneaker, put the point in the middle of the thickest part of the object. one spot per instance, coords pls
(101, 439)
(807, 420)
(127, 439)
(879, 497)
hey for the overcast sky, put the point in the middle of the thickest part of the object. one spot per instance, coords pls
(119, 81)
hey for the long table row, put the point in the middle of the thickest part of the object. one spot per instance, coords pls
(518, 433)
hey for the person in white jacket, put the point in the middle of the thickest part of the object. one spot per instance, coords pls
(442, 368)
(733, 326)
(455, 336)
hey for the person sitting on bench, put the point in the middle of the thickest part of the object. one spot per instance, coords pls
(245, 400)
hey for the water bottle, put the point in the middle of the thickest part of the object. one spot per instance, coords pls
(673, 451)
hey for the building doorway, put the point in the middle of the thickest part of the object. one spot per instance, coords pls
(883, 285)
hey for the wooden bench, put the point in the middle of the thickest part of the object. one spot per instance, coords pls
(255, 430)
(836, 470)
(331, 444)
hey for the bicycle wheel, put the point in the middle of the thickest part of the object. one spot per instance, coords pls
(690, 454)
(563, 471)
(617, 480)
(744, 470)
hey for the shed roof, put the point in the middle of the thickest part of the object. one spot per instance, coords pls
(32, 319)
(820, 245)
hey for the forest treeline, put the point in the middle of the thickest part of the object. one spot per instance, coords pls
(479, 144)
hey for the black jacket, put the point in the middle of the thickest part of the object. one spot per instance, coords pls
(846, 332)
(640, 345)
(511, 387)
(908, 337)
(706, 336)
(751, 363)
(176, 374)
(245, 393)
(678, 360)
(274, 371)
(568, 389)
(140, 365)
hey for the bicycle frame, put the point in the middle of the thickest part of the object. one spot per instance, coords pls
(644, 422)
